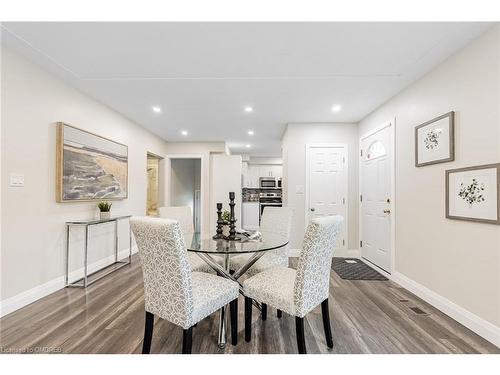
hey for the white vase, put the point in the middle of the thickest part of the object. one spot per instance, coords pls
(105, 215)
(225, 230)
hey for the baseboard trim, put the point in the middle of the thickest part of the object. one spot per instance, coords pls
(22, 299)
(293, 253)
(482, 327)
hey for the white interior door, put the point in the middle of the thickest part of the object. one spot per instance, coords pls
(376, 197)
(327, 184)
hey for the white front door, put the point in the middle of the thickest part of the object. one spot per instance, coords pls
(327, 184)
(376, 197)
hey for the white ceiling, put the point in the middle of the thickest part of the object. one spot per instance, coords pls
(202, 75)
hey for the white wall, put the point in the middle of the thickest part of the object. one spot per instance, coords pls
(33, 231)
(457, 260)
(295, 139)
(225, 178)
(265, 160)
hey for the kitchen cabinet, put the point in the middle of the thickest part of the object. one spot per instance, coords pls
(252, 172)
(271, 171)
(250, 215)
(244, 175)
(251, 176)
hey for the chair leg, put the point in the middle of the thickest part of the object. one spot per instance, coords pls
(264, 311)
(279, 313)
(301, 341)
(187, 340)
(148, 333)
(248, 319)
(234, 321)
(326, 323)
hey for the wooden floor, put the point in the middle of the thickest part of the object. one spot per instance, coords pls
(366, 316)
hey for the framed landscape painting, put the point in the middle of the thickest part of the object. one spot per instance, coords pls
(434, 140)
(89, 167)
(473, 194)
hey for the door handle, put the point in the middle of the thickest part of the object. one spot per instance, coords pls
(313, 209)
(387, 211)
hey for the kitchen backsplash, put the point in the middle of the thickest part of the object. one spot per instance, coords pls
(250, 194)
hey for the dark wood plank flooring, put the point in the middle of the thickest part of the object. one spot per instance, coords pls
(108, 317)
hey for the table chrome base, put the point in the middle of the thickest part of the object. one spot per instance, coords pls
(225, 272)
(81, 283)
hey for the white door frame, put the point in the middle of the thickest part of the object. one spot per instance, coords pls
(392, 162)
(168, 176)
(161, 179)
(346, 185)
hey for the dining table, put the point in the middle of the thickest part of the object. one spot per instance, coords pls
(217, 254)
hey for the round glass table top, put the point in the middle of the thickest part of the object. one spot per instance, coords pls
(201, 243)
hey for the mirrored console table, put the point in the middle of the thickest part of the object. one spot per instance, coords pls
(91, 278)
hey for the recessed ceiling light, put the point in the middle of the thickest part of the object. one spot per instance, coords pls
(336, 108)
(248, 109)
(184, 132)
(248, 146)
(250, 132)
(156, 109)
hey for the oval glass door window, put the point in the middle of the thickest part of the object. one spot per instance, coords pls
(375, 150)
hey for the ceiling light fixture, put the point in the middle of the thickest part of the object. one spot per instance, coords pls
(248, 109)
(336, 108)
(250, 132)
(184, 132)
(156, 109)
(248, 146)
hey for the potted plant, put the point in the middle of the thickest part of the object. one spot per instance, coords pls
(104, 208)
(226, 221)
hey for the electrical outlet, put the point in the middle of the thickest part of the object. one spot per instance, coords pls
(16, 179)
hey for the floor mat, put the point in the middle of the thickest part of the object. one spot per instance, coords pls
(355, 269)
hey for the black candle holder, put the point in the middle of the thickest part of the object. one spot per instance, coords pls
(232, 220)
(218, 233)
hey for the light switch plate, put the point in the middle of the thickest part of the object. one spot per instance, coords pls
(299, 189)
(16, 179)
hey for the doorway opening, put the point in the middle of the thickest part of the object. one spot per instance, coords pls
(153, 190)
(185, 186)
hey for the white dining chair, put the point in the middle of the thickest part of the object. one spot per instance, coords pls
(171, 290)
(185, 218)
(297, 292)
(274, 220)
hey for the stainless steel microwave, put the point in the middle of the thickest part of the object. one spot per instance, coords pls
(267, 182)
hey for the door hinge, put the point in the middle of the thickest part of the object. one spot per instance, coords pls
(343, 200)
(343, 242)
(360, 243)
(361, 152)
(361, 197)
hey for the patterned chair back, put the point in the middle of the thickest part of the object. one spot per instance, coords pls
(180, 213)
(313, 271)
(277, 220)
(165, 268)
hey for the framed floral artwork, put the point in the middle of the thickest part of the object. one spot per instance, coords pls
(473, 193)
(434, 140)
